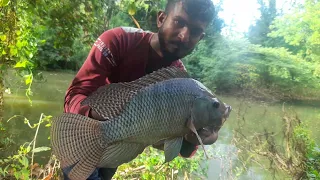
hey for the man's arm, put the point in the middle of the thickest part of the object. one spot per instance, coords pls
(102, 59)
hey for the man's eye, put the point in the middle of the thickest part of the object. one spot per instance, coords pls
(178, 23)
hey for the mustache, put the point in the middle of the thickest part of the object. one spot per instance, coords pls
(180, 45)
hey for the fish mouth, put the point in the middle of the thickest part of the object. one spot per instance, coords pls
(227, 111)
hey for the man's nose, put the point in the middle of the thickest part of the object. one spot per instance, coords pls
(184, 34)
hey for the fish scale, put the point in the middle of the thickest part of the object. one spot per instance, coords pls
(173, 111)
(162, 106)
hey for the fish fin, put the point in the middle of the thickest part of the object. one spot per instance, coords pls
(77, 139)
(121, 152)
(82, 170)
(108, 101)
(172, 148)
(193, 129)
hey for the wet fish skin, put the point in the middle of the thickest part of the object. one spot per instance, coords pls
(163, 111)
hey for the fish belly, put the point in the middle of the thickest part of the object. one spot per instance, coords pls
(119, 153)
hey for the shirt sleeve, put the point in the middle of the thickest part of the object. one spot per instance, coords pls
(101, 61)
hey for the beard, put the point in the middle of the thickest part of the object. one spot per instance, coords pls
(168, 56)
(179, 53)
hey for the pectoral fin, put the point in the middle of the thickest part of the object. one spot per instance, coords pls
(172, 148)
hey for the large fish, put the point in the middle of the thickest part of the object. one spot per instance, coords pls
(160, 107)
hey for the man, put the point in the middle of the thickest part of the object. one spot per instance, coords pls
(124, 54)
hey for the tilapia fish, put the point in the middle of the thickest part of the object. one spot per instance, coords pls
(161, 106)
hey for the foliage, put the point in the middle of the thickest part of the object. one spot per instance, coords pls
(21, 165)
(279, 67)
(257, 33)
(295, 154)
(233, 64)
(69, 32)
(312, 151)
(141, 13)
(69, 28)
(18, 42)
(301, 28)
(150, 165)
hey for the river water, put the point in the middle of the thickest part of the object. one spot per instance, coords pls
(48, 99)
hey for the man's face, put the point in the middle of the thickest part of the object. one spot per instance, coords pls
(178, 32)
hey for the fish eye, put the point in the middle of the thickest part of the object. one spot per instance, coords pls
(215, 103)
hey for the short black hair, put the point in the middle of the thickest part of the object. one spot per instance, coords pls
(202, 10)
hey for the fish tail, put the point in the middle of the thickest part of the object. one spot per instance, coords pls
(77, 142)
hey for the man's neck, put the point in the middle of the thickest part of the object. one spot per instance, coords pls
(155, 44)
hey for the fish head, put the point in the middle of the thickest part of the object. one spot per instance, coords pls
(208, 112)
(207, 117)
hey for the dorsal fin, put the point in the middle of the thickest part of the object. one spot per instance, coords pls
(108, 101)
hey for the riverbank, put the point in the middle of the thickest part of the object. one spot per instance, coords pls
(273, 96)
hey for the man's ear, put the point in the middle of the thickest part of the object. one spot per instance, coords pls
(161, 18)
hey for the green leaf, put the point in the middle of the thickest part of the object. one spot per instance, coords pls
(19, 44)
(13, 51)
(30, 55)
(25, 173)
(42, 41)
(3, 52)
(82, 8)
(132, 9)
(18, 32)
(317, 149)
(3, 172)
(21, 64)
(28, 149)
(3, 37)
(4, 3)
(24, 161)
(41, 149)
(16, 174)
(28, 79)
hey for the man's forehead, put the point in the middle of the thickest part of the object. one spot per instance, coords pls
(179, 11)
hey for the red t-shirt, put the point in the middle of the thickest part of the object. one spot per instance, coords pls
(119, 55)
